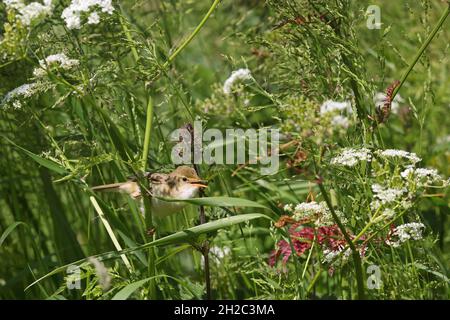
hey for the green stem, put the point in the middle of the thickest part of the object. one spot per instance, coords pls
(309, 257)
(148, 212)
(129, 38)
(148, 129)
(314, 280)
(355, 253)
(422, 49)
(192, 35)
(367, 226)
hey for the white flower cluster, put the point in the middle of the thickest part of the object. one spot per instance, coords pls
(349, 157)
(318, 212)
(336, 109)
(422, 176)
(330, 255)
(237, 75)
(72, 14)
(406, 232)
(306, 209)
(387, 195)
(24, 91)
(340, 121)
(380, 99)
(29, 13)
(332, 106)
(60, 60)
(388, 198)
(394, 153)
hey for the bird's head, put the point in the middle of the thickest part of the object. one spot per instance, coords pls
(187, 176)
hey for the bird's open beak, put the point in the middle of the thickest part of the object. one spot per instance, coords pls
(198, 183)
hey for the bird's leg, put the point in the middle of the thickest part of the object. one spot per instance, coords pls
(150, 232)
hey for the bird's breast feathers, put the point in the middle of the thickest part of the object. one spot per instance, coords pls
(163, 208)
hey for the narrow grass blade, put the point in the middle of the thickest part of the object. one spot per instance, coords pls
(128, 290)
(181, 236)
(42, 161)
(9, 230)
(110, 232)
(220, 202)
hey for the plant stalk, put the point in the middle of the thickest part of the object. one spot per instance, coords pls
(205, 245)
(422, 49)
(148, 212)
(355, 253)
(148, 129)
(192, 35)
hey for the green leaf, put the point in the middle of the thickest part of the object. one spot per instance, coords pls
(171, 253)
(219, 202)
(436, 273)
(42, 161)
(9, 230)
(182, 236)
(192, 233)
(128, 290)
(131, 244)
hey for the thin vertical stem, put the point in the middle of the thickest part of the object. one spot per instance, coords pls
(129, 38)
(422, 49)
(148, 212)
(110, 232)
(205, 245)
(148, 129)
(192, 35)
(355, 253)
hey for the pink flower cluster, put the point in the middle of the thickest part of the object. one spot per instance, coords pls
(302, 238)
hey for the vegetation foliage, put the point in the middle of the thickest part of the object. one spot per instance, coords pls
(90, 94)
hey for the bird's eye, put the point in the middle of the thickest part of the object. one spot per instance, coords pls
(184, 179)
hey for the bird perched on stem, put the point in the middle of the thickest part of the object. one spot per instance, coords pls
(182, 183)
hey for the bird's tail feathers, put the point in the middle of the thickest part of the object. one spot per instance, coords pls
(129, 187)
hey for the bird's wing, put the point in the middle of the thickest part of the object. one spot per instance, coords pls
(157, 178)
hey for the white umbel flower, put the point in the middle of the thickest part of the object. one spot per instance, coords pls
(24, 91)
(422, 176)
(72, 14)
(305, 209)
(349, 157)
(60, 59)
(14, 4)
(237, 75)
(30, 12)
(318, 212)
(394, 153)
(405, 232)
(330, 255)
(340, 121)
(387, 195)
(333, 106)
(14, 97)
(337, 110)
(93, 18)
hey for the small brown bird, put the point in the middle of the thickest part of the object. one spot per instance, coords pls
(182, 183)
